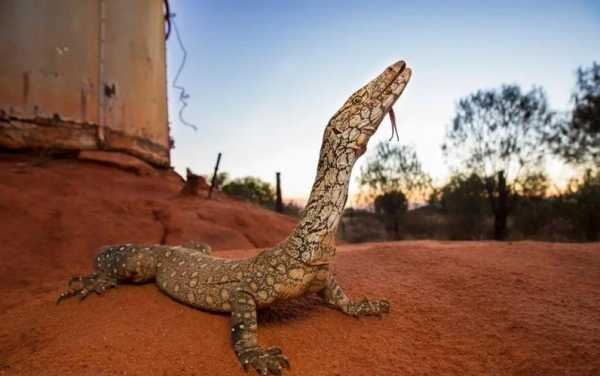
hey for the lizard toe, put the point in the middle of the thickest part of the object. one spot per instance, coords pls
(384, 306)
(265, 361)
(81, 286)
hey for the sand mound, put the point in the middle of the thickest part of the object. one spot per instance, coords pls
(56, 214)
(469, 308)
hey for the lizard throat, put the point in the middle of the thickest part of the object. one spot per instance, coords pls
(313, 239)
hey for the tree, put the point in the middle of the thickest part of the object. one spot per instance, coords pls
(532, 185)
(496, 134)
(393, 176)
(464, 198)
(535, 207)
(251, 189)
(582, 202)
(395, 168)
(577, 138)
(391, 206)
(464, 195)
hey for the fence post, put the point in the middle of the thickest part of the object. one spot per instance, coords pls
(279, 202)
(214, 178)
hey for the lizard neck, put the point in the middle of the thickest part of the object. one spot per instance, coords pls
(313, 239)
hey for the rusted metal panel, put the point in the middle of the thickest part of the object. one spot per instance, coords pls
(49, 55)
(135, 74)
(84, 75)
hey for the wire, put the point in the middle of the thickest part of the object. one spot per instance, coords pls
(167, 18)
(183, 95)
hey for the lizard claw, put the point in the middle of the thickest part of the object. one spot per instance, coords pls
(82, 286)
(265, 362)
(371, 307)
(384, 306)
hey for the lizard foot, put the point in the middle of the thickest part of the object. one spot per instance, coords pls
(367, 307)
(82, 286)
(264, 361)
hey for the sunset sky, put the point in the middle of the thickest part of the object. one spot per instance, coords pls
(264, 77)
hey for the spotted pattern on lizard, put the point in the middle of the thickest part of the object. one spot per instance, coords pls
(299, 265)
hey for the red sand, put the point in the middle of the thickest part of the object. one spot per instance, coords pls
(458, 308)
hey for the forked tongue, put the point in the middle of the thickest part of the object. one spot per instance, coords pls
(393, 121)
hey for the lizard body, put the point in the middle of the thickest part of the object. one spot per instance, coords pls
(297, 266)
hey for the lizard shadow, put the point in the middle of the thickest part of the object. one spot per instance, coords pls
(292, 310)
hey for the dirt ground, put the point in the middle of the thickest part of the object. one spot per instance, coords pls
(458, 308)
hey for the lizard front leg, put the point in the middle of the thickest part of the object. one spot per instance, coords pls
(82, 286)
(333, 295)
(245, 342)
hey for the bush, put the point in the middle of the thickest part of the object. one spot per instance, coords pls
(359, 226)
(251, 189)
(465, 203)
(581, 204)
(390, 207)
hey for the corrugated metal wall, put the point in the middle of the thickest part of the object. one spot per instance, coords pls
(84, 75)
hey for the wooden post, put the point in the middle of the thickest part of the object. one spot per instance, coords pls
(279, 202)
(214, 178)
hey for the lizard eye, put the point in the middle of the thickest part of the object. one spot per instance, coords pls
(356, 100)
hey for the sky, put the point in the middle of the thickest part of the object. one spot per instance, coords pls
(265, 77)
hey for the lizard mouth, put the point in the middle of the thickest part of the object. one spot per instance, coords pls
(388, 87)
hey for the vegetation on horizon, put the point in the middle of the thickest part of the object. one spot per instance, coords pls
(255, 190)
(495, 146)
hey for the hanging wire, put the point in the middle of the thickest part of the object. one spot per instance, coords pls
(167, 19)
(183, 95)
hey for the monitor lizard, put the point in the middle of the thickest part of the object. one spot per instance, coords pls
(301, 264)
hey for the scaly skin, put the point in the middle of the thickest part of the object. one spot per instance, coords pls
(299, 265)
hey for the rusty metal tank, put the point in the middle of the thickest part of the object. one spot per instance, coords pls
(84, 75)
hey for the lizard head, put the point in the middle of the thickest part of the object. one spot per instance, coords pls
(363, 112)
